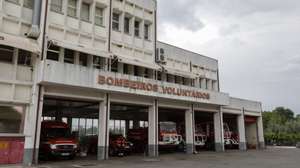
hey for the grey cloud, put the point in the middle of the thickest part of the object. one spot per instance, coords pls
(180, 13)
(257, 44)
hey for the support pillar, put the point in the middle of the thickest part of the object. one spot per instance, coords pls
(241, 129)
(153, 130)
(190, 130)
(260, 133)
(120, 68)
(32, 127)
(219, 131)
(103, 134)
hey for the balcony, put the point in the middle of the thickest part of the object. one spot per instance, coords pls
(57, 73)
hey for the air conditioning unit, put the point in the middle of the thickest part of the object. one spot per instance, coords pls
(160, 56)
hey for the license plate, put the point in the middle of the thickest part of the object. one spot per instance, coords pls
(65, 154)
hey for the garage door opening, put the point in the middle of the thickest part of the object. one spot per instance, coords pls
(69, 130)
(231, 135)
(128, 127)
(204, 131)
(171, 136)
(251, 132)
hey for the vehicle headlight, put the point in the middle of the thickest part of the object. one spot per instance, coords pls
(52, 146)
(75, 146)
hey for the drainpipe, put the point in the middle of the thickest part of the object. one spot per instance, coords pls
(36, 16)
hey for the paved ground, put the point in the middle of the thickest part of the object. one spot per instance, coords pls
(270, 158)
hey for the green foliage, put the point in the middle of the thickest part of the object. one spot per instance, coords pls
(281, 127)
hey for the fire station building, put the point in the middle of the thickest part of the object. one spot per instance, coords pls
(97, 66)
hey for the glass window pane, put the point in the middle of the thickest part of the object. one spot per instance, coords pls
(13, 1)
(69, 56)
(95, 126)
(85, 12)
(74, 124)
(11, 119)
(56, 5)
(28, 4)
(72, 8)
(99, 16)
(6, 53)
(24, 58)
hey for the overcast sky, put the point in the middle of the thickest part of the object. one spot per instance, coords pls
(257, 43)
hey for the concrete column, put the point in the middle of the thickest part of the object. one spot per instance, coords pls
(209, 84)
(90, 61)
(32, 127)
(76, 62)
(141, 71)
(260, 133)
(103, 134)
(241, 130)
(153, 130)
(163, 77)
(189, 130)
(203, 83)
(197, 82)
(219, 132)
(120, 68)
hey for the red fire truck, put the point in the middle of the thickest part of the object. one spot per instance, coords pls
(57, 141)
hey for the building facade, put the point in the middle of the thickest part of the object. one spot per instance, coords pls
(58, 54)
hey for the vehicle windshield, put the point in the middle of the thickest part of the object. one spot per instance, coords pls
(57, 133)
(168, 127)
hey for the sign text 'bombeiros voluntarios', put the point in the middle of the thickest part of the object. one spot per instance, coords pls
(138, 85)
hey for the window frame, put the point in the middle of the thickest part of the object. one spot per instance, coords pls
(88, 19)
(71, 7)
(127, 26)
(99, 17)
(28, 5)
(22, 123)
(116, 22)
(53, 5)
(8, 49)
(17, 2)
(147, 31)
(137, 31)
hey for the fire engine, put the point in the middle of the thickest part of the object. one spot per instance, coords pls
(57, 141)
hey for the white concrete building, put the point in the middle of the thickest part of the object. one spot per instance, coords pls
(105, 52)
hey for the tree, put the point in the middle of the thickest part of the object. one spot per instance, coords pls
(284, 114)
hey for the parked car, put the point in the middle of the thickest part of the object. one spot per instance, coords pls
(57, 141)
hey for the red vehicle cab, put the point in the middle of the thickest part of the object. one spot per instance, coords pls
(57, 141)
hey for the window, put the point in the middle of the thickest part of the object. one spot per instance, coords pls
(13, 1)
(115, 21)
(99, 16)
(6, 53)
(114, 66)
(24, 58)
(11, 119)
(53, 53)
(85, 11)
(72, 8)
(146, 31)
(127, 25)
(97, 62)
(56, 6)
(28, 4)
(137, 28)
(69, 56)
(126, 69)
(83, 59)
